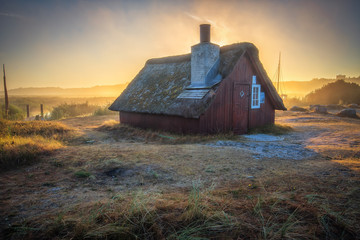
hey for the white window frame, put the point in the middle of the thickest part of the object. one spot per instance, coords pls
(255, 96)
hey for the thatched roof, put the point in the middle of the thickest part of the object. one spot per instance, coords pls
(157, 86)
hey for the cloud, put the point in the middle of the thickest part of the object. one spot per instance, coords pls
(196, 18)
(13, 15)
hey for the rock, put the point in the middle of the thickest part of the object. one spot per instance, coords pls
(297, 109)
(353, 105)
(318, 109)
(348, 112)
(312, 107)
(334, 107)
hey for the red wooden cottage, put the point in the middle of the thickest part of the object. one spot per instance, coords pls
(213, 89)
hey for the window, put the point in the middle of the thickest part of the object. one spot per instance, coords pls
(255, 94)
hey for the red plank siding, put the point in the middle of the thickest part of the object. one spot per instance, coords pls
(163, 122)
(219, 116)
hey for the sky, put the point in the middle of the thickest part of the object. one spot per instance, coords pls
(84, 43)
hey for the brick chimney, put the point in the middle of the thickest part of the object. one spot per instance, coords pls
(205, 60)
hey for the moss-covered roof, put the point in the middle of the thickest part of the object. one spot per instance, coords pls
(156, 87)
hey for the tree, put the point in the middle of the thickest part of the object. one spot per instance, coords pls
(335, 93)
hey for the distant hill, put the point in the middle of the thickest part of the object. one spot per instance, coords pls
(97, 91)
(291, 88)
(301, 88)
(339, 92)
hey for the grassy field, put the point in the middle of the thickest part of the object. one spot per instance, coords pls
(110, 181)
(22, 143)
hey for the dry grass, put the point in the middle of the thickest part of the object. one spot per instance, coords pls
(23, 142)
(234, 211)
(147, 135)
(17, 151)
(273, 129)
(352, 163)
(45, 129)
(128, 183)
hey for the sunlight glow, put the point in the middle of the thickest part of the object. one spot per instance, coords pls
(95, 43)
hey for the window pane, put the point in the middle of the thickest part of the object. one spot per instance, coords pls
(255, 99)
(255, 96)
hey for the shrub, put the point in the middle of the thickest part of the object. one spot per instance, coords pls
(294, 101)
(103, 111)
(72, 110)
(15, 113)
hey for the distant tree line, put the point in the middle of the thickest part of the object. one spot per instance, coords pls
(339, 92)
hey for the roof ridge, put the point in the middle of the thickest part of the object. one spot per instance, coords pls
(170, 59)
(233, 46)
(187, 57)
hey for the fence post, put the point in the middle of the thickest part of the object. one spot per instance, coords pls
(6, 95)
(42, 111)
(27, 111)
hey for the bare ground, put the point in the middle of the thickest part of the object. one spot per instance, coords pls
(322, 150)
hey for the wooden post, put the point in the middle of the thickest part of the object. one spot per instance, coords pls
(42, 111)
(278, 76)
(6, 95)
(27, 111)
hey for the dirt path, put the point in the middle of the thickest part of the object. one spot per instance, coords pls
(98, 166)
(86, 126)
